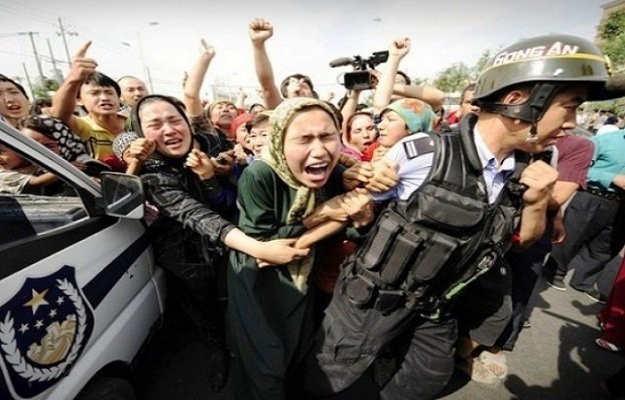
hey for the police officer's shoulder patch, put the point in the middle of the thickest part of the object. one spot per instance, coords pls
(418, 146)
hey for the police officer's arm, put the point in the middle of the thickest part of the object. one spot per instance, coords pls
(64, 100)
(540, 178)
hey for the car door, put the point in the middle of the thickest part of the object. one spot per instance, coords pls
(73, 280)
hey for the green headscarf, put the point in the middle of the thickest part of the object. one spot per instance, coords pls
(273, 155)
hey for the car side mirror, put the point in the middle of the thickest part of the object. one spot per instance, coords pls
(123, 195)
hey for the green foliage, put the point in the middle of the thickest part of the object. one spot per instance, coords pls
(419, 81)
(481, 62)
(43, 87)
(612, 35)
(616, 106)
(612, 43)
(454, 78)
(613, 26)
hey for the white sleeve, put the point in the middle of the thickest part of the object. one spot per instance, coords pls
(13, 182)
(395, 155)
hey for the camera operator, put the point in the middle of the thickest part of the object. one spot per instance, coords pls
(388, 89)
(396, 85)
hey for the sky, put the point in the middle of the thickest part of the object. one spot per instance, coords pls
(308, 34)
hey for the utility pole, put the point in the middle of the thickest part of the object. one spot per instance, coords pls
(57, 72)
(32, 42)
(30, 85)
(146, 69)
(62, 34)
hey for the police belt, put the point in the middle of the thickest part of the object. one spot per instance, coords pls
(605, 194)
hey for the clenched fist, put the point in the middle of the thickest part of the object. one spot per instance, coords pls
(539, 177)
(260, 30)
(200, 164)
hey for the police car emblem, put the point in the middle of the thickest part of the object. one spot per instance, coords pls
(43, 330)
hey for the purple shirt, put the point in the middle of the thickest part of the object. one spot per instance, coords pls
(574, 158)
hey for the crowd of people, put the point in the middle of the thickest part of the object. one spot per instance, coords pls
(308, 241)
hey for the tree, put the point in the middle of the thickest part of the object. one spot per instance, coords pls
(42, 89)
(418, 81)
(481, 62)
(612, 38)
(612, 43)
(454, 78)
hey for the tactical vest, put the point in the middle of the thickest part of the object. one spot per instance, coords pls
(425, 250)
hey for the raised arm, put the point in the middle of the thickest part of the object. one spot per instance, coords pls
(260, 30)
(396, 52)
(239, 103)
(64, 100)
(429, 94)
(195, 78)
(349, 108)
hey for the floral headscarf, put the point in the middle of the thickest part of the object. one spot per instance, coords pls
(417, 114)
(70, 145)
(273, 155)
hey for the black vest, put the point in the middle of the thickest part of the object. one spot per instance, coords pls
(423, 251)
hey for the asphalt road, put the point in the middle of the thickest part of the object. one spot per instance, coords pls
(556, 358)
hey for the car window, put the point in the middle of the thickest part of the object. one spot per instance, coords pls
(28, 211)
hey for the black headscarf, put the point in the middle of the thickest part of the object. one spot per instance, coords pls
(136, 123)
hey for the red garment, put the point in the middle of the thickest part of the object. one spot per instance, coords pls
(367, 155)
(452, 118)
(115, 163)
(612, 316)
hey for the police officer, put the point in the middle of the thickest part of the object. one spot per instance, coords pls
(398, 287)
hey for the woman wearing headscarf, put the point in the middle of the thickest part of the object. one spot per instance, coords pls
(295, 186)
(189, 233)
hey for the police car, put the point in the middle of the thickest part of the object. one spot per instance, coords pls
(79, 290)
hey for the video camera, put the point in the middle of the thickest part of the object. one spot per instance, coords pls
(361, 79)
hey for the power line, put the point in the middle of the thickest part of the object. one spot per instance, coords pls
(29, 13)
